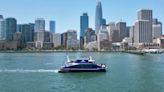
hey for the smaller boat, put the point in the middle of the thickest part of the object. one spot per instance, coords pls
(153, 51)
(82, 65)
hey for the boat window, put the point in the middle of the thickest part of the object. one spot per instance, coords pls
(78, 61)
(86, 60)
(84, 66)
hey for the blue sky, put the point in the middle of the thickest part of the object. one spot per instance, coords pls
(67, 12)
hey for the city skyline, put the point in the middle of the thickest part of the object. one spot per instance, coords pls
(57, 12)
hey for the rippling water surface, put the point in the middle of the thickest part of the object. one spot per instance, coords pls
(37, 72)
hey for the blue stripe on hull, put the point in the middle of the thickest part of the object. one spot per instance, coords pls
(101, 70)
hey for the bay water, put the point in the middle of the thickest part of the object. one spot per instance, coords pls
(37, 72)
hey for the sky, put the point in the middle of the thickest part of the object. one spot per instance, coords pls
(67, 13)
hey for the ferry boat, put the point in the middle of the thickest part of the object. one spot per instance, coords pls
(82, 65)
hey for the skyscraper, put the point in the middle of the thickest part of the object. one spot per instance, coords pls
(25, 34)
(32, 29)
(56, 39)
(113, 32)
(98, 16)
(64, 37)
(19, 28)
(84, 23)
(10, 27)
(52, 26)
(121, 26)
(131, 32)
(103, 21)
(2, 28)
(39, 32)
(39, 24)
(145, 14)
(102, 37)
(142, 34)
(90, 36)
(1, 16)
(72, 41)
(157, 28)
(143, 26)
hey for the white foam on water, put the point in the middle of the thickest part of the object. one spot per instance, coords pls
(28, 71)
(49, 63)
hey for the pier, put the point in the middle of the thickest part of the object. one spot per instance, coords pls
(137, 52)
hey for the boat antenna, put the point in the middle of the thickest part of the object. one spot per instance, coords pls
(68, 60)
(90, 58)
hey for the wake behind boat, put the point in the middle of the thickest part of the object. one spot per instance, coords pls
(82, 65)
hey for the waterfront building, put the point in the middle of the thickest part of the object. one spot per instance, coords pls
(52, 26)
(25, 34)
(27, 31)
(42, 36)
(143, 27)
(160, 41)
(39, 24)
(47, 45)
(113, 32)
(114, 36)
(89, 36)
(18, 39)
(10, 28)
(30, 45)
(102, 39)
(72, 42)
(32, 30)
(64, 37)
(91, 46)
(98, 16)
(157, 28)
(127, 31)
(131, 32)
(105, 45)
(56, 39)
(121, 27)
(127, 40)
(84, 24)
(149, 46)
(47, 36)
(2, 29)
(39, 38)
(142, 32)
(17, 36)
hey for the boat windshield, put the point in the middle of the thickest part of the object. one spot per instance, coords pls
(81, 61)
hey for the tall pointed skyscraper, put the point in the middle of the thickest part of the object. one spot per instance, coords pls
(98, 16)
